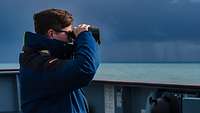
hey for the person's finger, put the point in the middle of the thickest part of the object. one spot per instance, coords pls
(83, 25)
(88, 26)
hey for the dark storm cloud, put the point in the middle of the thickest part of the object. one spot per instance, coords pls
(131, 30)
(149, 20)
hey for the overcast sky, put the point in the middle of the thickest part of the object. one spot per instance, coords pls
(131, 30)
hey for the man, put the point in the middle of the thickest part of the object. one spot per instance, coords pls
(54, 67)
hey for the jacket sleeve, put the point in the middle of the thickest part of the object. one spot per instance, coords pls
(79, 71)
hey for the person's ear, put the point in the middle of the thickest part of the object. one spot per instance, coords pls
(50, 33)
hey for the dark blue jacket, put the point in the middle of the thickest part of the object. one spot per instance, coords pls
(53, 85)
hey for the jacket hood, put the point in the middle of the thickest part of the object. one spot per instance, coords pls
(56, 48)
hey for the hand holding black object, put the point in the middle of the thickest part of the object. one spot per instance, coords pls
(85, 27)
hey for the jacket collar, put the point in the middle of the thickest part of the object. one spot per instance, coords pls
(55, 47)
(38, 41)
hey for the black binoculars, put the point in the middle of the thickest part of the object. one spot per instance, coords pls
(95, 33)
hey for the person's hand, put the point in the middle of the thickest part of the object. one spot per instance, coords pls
(80, 28)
